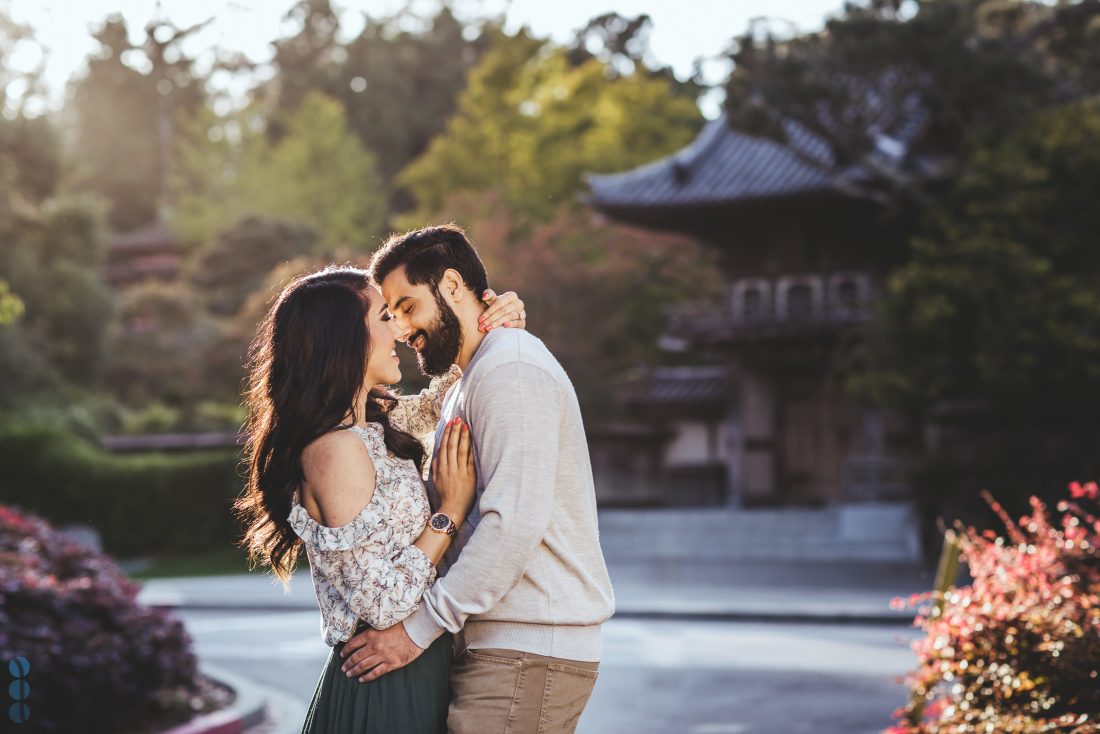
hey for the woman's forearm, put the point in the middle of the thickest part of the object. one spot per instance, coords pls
(435, 544)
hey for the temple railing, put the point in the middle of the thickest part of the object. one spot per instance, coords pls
(715, 323)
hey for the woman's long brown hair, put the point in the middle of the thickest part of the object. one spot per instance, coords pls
(306, 369)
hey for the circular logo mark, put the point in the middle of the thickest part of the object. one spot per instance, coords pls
(19, 690)
(19, 712)
(19, 667)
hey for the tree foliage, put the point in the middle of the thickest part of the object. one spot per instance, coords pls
(973, 119)
(159, 344)
(397, 80)
(531, 123)
(11, 306)
(317, 173)
(234, 266)
(125, 109)
(957, 73)
(55, 306)
(999, 301)
(596, 293)
(400, 86)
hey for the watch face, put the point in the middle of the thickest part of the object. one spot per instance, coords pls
(440, 522)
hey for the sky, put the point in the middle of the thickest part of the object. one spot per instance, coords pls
(683, 30)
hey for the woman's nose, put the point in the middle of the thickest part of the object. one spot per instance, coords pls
(395, 329)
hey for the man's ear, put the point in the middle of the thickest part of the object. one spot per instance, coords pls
(452, 285)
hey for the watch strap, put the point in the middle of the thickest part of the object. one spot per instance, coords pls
(449, 529)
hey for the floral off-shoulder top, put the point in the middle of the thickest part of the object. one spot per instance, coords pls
(369, 570)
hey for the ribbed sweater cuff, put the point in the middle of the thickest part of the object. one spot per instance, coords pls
(422, 628)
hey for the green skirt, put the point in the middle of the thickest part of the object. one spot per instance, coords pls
(412, 700)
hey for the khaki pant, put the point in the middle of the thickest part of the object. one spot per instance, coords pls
(510, 692)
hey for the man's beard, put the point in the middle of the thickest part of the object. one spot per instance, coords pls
(442, 341)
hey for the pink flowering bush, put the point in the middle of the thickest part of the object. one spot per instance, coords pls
(99, 660)
(1017, 651)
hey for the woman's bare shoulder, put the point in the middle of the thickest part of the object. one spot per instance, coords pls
(339, 475)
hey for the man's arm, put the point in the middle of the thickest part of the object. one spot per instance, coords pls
(515, 414)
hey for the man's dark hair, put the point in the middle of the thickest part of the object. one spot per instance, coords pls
(426, 254)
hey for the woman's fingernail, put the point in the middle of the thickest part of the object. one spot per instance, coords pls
(507, 323)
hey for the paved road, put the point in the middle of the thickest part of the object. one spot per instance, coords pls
(658, 677)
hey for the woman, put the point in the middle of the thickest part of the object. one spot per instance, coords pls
(335, 466)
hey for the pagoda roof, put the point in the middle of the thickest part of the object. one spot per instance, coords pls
(704, 388)
(153, 236)
(722, 166)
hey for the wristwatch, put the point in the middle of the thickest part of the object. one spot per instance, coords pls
(442, 524)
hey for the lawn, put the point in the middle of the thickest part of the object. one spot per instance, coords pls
(206, 563)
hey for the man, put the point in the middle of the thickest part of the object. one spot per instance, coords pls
(526, 588)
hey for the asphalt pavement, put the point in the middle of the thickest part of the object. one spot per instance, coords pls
(699, 647)
(717, 590)
(656, 677)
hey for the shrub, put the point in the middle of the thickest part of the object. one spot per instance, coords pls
(140, 504)
(99, 661)
(1017, 651)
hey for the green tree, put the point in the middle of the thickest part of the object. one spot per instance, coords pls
(30, 163)
(305, 62)
(400, 84)
(1000, 301)
(972, 69)
(125, 110)
(398, 79)
(231, 269)
(158, 344)
(530, 124)
(55, 307)
(317, 173)
(11, 306)
(53, 264)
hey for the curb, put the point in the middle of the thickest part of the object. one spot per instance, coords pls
(248, 709)
(720, 615)
(839, 618)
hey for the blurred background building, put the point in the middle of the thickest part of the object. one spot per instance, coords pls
(799, 262)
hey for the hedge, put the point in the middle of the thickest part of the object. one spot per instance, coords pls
(140, 504)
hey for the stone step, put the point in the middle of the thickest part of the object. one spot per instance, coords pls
(885, 532)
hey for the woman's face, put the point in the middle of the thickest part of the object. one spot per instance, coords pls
(383, 367)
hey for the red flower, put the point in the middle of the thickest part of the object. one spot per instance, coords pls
(1089, 490)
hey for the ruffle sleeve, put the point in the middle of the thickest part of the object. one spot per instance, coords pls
(365, 525)
(418, 414)
(392, 588)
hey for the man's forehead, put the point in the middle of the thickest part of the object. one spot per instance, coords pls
(396, 286)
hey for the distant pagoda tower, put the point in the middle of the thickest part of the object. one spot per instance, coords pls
(803, 255)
